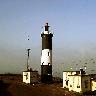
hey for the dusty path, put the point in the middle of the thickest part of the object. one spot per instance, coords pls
(20, 89)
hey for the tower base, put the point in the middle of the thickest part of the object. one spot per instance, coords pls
(46, 74)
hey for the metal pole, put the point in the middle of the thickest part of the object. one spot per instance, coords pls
(28, 59)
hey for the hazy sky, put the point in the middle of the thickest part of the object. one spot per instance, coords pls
(72, 21)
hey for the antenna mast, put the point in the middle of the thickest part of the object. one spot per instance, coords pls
(28, 54)
(28, 50)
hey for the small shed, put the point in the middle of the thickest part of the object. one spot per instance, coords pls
(31, 77)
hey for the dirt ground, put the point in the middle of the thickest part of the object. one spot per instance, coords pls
(13, 87)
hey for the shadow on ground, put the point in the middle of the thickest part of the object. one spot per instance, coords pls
(4, 89)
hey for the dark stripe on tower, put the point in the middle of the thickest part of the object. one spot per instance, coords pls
(46, 73)
(47, 41)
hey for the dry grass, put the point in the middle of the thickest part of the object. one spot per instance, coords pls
(15, 87)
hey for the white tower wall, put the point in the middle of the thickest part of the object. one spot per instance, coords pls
(46, 57)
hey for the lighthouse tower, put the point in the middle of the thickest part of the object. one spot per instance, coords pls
(46, 55)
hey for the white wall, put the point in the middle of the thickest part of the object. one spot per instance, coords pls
(66, 77)
(45, 57)
(93, 85)
(26, 77)
(75, 83)
(79, 83)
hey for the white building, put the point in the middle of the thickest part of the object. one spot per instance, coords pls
(30, 77)
(66, 77)
(77, 81)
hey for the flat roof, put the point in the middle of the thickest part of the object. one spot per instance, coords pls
(71, 71)
(78, 75)
(30, 71)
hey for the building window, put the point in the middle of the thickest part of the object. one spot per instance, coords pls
(78, 86)
(86, 83)
(70, 85)
(48, 54)
(26, 76)
(67, 82)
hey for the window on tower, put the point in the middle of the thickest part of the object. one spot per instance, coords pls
(48, 54)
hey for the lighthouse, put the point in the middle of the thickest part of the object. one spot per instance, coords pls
(46, 55)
